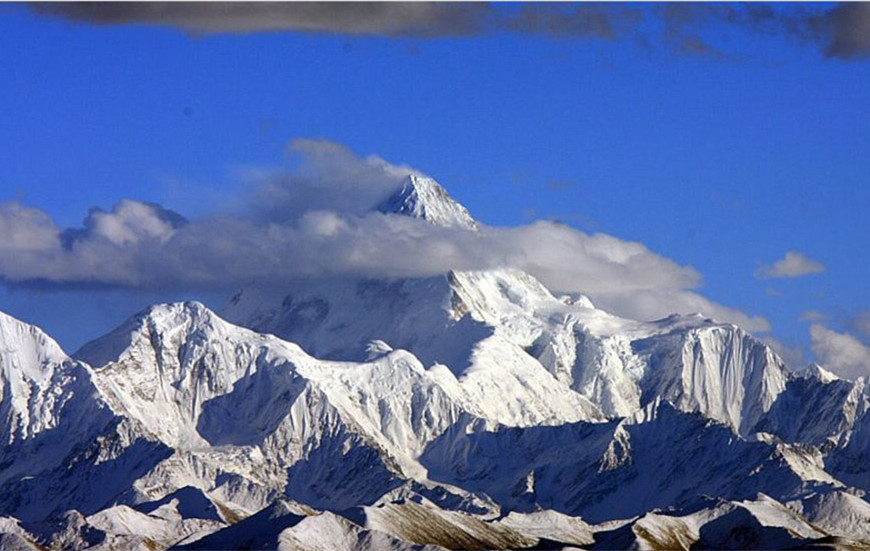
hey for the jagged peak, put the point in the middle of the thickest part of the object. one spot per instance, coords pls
(422, 197)
(689, 321)
(177, 312)
(377, 349)
(816, 371)
(178, 318)
(21, 338)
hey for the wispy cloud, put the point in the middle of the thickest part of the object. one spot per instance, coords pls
(813, 315)
(841, 31)
(840, 352)
(687, 25)
(794, 264)
(319, 220)
(327, 176)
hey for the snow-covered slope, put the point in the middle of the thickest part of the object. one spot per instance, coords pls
(432, 320)
(660, 457)
(230, 401)
(423, 197)
(837, 512)
(816, 410)
(465, 410)
(247, 417)
(48, 402)
(718, 370)
(503, 324)
(758, 523)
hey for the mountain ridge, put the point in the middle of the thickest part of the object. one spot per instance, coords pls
(472, 408)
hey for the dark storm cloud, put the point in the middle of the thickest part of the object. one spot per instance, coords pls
(848, 26)
(683, 27)
(390, 19)
(356, 18)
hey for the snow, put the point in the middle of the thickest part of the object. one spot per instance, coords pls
(550, 525)
(122, 520)
(838, 513)
(504, 324)
(48, 402)
(422, 197)
(815, 371)
(470, 409)
(422, 522)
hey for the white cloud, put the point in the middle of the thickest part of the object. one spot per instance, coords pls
(130, 222)
(794, 264)
(25, 229)
(570, 260)
(28, 238)
(318, 220)
(326, 177)
(840, 352)
(657, 303)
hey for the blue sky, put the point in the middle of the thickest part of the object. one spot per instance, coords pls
(721, 145)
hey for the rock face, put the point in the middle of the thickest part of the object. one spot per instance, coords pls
(467, 410)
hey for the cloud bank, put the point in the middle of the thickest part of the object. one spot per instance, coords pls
(794, 264)
(841, 31)
(319, 220)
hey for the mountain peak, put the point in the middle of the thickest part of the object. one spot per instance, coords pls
(178, 319)
(29, 343)
(815, 371)
(175, 312)
(423, 197)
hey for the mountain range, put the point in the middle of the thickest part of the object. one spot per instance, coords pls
(469, 410)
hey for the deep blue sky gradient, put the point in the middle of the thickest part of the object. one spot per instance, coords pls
(722, 164)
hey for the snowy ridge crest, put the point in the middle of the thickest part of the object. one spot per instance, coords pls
(227, 419)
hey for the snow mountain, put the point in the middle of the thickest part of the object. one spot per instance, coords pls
(469, 410)
(422, 197)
